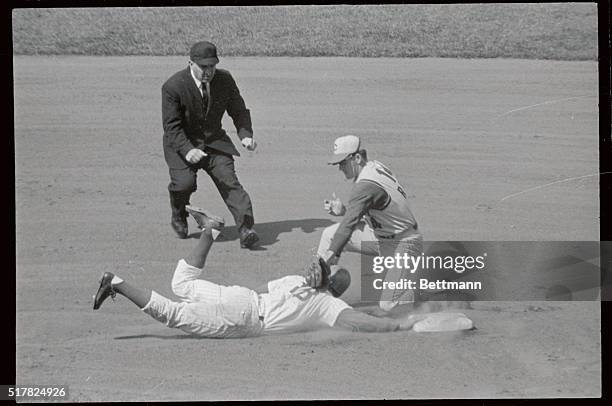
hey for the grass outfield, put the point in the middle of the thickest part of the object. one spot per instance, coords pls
(562, 31)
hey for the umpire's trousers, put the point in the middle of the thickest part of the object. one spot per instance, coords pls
(220, 168)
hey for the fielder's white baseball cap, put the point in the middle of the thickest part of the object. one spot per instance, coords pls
(343, 147)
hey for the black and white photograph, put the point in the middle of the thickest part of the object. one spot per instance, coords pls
(308, 202)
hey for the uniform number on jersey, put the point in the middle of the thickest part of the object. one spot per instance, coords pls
(302, 292)
(385, 172)
(401, 190)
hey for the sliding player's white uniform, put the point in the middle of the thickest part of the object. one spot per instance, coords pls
(211, 310)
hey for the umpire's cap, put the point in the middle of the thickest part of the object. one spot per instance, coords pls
(339, 282)
(204, 53)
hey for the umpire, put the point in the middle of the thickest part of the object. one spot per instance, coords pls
(193, 103)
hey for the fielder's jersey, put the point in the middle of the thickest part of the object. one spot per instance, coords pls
(291, 306)
(395, 216)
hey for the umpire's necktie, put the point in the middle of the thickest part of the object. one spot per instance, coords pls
(206, 95)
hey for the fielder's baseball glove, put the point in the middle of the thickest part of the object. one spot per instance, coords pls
(317, 274)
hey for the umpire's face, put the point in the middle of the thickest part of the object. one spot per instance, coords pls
(203, 73)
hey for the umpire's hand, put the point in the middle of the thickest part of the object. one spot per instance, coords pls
(249, 143)
(195, 155)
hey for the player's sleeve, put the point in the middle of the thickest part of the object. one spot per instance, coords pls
(286, 283)
(351, 319)
(172, 120)
(237, 110)
(331, 308)
(364, 196)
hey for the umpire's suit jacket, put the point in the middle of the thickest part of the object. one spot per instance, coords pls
(186, 125)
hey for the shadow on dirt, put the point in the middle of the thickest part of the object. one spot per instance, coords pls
(162, 337)
(167, 337)
(269, 232)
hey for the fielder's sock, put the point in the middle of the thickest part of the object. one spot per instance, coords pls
(116, 280)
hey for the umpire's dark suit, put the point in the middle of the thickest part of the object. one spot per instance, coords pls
(187, 126)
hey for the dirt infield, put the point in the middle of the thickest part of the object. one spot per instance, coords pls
(468, 139)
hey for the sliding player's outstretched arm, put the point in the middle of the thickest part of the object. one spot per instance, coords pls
(357, 321)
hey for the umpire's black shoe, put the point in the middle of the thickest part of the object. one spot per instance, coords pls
(248, 237)
(105, 290)
(179, 226)
(205, 220)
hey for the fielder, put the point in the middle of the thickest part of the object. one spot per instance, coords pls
(290, 304)
(377, 212)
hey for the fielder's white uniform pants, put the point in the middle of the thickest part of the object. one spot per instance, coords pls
(409, 242)
(206, 309)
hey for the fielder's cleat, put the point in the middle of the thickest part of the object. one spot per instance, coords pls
(179, 226)
(204, 220)
(403, 297)
(105, 290)
(387, 305)
(248, 237)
